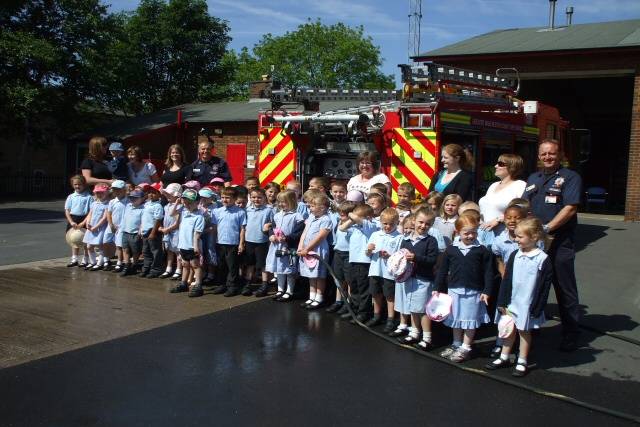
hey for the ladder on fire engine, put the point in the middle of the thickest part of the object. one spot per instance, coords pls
(431, 82)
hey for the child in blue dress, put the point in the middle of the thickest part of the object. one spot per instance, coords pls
(169, 230)
(208, 238)
(412, 295)
(96, 226)
(285, 233)
(76, 209)
(115, 213)
(523, 293)
(467, 274)
(445, 223)
(314, 239)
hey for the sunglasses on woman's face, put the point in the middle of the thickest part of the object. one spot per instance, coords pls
(501, 164)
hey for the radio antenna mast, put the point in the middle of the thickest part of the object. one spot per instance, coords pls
(415, 20)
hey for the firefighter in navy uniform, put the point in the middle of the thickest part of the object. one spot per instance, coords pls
(554, 193)
(207, 167)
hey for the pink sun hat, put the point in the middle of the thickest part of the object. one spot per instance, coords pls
(355, 196)
(398, 265)
(194, 185)
(506, 324)
(311, 260)
(439, 307)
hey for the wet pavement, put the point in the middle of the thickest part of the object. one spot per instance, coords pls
(268, 363)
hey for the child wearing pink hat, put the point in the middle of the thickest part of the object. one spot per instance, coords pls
(96, 225)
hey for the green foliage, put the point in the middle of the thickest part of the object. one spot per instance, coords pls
(315, 55)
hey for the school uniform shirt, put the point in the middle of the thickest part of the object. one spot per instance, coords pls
(303, 210)
(256, 219)
(425, 249)
(151, 213)
(291, 224)
(78, 204)
(132, 218)
(341, 240)
(525, 288)
(389, 242)
(229, 221)
(98, 210)
(116, 209)
(190, 223)
(446, 227)
(359, 235)
(503, 246)
(466, 268)
(313, 226)
(172, 213)
(435, 233)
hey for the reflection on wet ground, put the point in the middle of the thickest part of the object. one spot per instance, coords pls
(270, 364)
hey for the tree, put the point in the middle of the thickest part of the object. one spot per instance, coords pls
(316, 55)
(165, 54)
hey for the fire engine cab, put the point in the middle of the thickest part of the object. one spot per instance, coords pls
(438, 105)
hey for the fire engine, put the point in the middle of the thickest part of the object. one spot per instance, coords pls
(438, 105)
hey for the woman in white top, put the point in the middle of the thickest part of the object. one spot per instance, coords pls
(140, 171)
(499, 194)
(369, 167)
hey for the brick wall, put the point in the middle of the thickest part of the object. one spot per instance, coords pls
(632, 206)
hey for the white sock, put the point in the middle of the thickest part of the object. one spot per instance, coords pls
(98, 260)
(119, 262)
(105, 260)
(168, 270)
(522, 361)
(312, 296)
(402, 326)
(74, 258)
(456, 343)
(282, 281)
(178, 271)
(318, 297)
(426, 336)
(84, 259)
(92, 258)
(414, 332)
(466, 347)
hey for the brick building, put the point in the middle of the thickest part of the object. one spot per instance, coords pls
(591, 73)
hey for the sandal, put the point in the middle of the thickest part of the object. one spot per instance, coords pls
(176, 276)
(277, 295)
(424, 345)
(520, 372)
(497, 364)
(286, 297)
(165, 275)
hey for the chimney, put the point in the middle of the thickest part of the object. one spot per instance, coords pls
(569, 11)
(552, 14)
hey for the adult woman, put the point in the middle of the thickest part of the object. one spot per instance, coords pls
(455, 177)
(94, 168)
(369, 167)
(175, 170)
(140, 171)
(499, 194)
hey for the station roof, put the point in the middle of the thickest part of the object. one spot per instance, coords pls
(215, 112)
(599, 35)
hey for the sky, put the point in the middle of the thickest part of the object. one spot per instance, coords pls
(386, 21)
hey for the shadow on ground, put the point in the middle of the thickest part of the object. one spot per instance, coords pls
(17, 215)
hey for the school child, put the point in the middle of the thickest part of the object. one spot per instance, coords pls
(406, 193)
(287, 228)
(251, 183)
(314, 239)
(230, 222)
(216, 185)
(340, 262)
(192, 225)
(338, 193)
(309, 195)
(96, 223)
(485, 237)
(118, 164)
(360, 227)
(257, 246)
(445, 222)
(242, 198)
(319, 183)
(505, 243)
(382, 244)
(296, 187)
(208, 236)
(378, 203)
(521, 203)
(412, 295)
(466, 273)
(271, 190)
(76, 208)
(434, 200)
(523, 293)
(131, 234)
(169, 230)
(115, 212)
(379, 188)
(151, 221)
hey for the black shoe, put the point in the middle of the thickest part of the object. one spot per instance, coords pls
(285, 297)
(232, 292)
(180, 287)
(107, 266)
(314, 305)
(423, 345)
(153, 275)
(345, 316)
(399, 332)
(195, 291)
(389, 326)
(143, 274)
(495, 352)
(374, 321)
(165, 275)
(73, 264)
(306, 303)
(117, 269)
(219, 290)
(262, 291)
(277, 295)
(520, 373)
(362, 318)
(343, 310)
(335, 307)
(492, 366)
(408, 340)
(246, 291)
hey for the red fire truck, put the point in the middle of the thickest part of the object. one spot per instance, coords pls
(438, 105)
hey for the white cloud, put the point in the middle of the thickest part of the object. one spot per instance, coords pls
(364, 14)
(272, 14)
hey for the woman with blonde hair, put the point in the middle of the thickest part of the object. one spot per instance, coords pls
(176, 169)
(455, 177)
(139, 170)
(94, 168)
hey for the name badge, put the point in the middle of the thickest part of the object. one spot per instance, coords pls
(531, 187)
(196, 170)
(551, 199)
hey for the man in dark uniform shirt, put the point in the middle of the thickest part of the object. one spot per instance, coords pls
(207, 166)
(554, 193)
